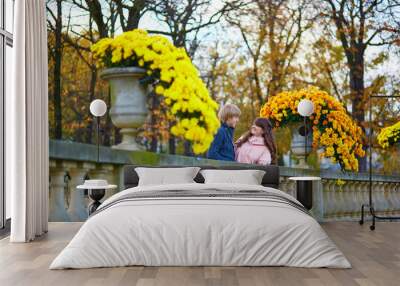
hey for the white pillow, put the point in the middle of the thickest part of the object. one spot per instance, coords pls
(166, 176)
(249, 177)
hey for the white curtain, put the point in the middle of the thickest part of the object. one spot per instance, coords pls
(27, 124)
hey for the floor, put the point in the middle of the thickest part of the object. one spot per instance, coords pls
(375, 257)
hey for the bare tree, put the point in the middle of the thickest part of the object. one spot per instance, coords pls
(130, 15)
(54, 23)
(126, 12)
(83, 51)
(186, 19)
(103, 20)
(272, 32)
(359, 24)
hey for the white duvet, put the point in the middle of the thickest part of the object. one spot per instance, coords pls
(200, 231)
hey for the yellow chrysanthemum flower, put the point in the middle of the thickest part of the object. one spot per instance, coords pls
(389, 135)
(179, 85)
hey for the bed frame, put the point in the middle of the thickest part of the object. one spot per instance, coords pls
(270, 179)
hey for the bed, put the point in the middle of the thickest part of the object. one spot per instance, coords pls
(201, 224)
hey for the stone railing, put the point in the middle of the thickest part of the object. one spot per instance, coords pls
(71, 163)
(335, 201)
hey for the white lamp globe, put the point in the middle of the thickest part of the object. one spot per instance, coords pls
(305, 107)
(98, 107)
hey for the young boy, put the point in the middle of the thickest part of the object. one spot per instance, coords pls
(222, 147)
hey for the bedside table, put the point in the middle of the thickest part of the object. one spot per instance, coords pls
(304, 190)
(96, 191)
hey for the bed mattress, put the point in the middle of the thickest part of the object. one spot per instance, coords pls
(201, 225)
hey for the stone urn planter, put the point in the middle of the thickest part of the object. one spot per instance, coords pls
(298, 147)
(128, 103)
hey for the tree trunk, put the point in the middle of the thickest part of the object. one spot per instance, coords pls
(257, 80)
(117, 135)
(92, 89)
(274, 54)
(153, 144)
(187, 146)
(108, 127)
(57, 73)
(357, 90)
(96, 13)
(274, 83)
(172, 144)
(134, 15)
(153, 122)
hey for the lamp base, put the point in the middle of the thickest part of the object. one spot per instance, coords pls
(373, 215)
(96, 195)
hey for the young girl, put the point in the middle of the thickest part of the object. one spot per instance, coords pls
(222, 147)
(257, 146)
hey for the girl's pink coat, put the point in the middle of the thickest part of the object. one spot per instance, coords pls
(253, 151)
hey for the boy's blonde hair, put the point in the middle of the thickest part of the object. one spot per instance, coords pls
(228, 111)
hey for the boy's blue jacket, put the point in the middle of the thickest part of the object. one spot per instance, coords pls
(222, 147)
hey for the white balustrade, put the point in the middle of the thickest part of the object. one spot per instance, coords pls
(67, 203)
(332, 201)
(57, 209)
(77, 209)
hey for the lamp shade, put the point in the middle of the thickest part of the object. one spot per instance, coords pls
(305, 107)
(98, 107)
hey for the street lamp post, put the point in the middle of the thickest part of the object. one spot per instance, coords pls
(305, 108)
(98, 108)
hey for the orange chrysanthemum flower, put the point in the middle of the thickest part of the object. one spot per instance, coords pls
(333, 128)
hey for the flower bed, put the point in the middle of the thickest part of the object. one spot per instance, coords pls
(333, 128)
(389, 135)
(174, 77)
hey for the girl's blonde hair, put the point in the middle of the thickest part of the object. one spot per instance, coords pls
(228, 111)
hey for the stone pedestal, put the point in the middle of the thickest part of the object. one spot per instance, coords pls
(298, 145)
(128, 103)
